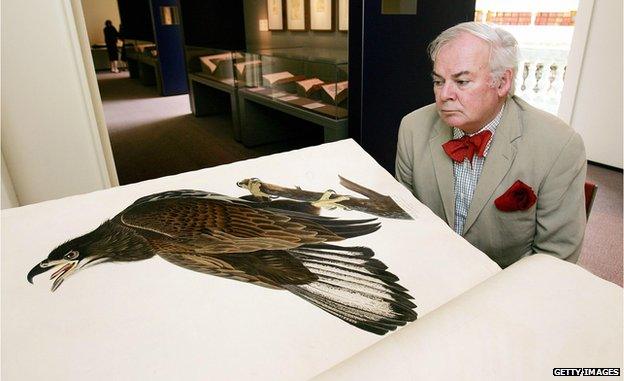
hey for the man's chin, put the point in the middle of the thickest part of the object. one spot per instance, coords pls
(452, 119)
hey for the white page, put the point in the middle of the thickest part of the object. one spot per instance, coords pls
(154, 320)
(540, 313)
(207, 61)
(308, 83)
(274, 77)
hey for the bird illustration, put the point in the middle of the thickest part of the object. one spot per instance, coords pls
(273, 244)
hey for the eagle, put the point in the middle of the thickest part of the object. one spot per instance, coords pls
(278, 245)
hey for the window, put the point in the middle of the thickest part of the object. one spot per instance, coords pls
(544, 32)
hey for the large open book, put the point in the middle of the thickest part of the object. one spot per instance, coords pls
(243, 68)
(306, 87)
(282, 77)
(153, 319)
(219, 65)
(337, 92)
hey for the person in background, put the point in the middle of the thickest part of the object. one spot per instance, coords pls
(110, 37)
(506, 176)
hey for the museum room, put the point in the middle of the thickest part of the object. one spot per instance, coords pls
(311, 189)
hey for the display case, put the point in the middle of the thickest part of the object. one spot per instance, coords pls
(99, 53)
(142, 58)
(270, 92)
(212, 84)
(138, 49)
(292, 92)
(315, 80)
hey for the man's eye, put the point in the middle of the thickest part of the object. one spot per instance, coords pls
(462, 83)
(437, 83)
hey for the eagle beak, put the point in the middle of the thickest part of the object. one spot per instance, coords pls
(63, 269)
(39, 269)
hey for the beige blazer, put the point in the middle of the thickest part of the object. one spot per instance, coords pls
(529, 145)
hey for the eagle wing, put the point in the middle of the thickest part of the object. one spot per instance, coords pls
(273, 269)
(215, 226)
(233, 238)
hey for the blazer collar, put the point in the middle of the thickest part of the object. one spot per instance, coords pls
(443, 168)
(498, 161)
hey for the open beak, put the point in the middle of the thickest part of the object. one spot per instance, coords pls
(63, 269)
(39, 269)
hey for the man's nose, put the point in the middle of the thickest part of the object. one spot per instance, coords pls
(447, 91)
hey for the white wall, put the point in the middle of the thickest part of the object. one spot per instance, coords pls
(592, 97)
(9, 198)
(53, 137)
(96, 12)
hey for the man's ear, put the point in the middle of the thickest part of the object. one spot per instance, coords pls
(504, 84)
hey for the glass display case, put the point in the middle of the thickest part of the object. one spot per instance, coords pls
(135, 49)
(143, 64)
(215, 64)
(316, 80)
(268, 92)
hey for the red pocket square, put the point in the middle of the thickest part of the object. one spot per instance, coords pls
(518, 197)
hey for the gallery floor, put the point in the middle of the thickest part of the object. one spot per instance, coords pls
(155, 136)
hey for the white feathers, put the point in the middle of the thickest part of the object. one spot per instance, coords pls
(354, 287)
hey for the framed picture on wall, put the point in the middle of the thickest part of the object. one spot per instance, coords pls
(321, 15)
(169, 16)
(343, 15)
(295, 15)
(275, 12)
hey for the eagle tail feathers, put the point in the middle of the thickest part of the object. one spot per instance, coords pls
(354, 287)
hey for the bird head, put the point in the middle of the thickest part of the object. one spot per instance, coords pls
(65, 260)
(107, 243)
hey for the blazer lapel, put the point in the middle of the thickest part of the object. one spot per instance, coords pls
(497, 162)
(443, 167)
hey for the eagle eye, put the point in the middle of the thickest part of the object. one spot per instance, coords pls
(71, 255)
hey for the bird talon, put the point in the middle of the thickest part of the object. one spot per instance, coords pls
(331, 203)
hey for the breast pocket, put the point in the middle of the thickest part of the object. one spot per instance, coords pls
(518, 225)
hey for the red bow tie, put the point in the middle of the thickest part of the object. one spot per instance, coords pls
(467, 146)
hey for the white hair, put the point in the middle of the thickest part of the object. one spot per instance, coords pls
(503, 48)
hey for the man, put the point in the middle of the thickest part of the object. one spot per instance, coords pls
(506, 176)
(110, 37)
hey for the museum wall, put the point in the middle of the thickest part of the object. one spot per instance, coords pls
(135, 15)
(389, 53)
(50, 137)
(596, 112)
(256, 10)
(96, 12)
(213, 23)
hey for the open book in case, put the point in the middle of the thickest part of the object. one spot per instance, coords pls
(309, 78)
(140, 47)
(316, 80)
(214, 64)
(343, 309)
